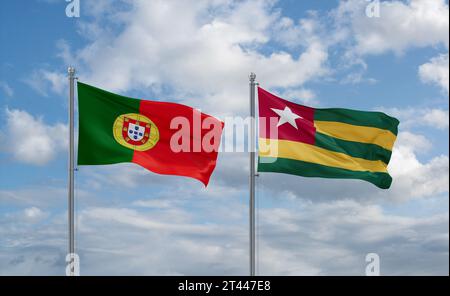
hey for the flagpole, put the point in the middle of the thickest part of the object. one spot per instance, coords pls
(71, 74)
(252, 79)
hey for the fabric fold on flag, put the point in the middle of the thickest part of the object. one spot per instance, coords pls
(327, 143)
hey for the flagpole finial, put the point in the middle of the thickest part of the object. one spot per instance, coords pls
(71, 71)
(252, 77)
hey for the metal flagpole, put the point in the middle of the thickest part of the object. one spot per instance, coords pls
(252, 78)
(71, 73)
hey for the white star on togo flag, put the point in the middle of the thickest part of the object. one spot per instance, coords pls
(286, 116)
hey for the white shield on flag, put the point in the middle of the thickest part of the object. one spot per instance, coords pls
(136, 132)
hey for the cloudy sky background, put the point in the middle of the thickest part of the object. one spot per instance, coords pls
(199, 52)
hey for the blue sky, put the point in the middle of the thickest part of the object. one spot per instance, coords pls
(320, 53)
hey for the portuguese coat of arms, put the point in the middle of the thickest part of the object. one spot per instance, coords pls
(135, 132)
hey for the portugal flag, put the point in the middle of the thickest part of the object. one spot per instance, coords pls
(327, 143)
(165, 138)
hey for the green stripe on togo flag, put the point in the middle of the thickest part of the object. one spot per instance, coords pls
(361, 118)
(306, 169)
(354, 149)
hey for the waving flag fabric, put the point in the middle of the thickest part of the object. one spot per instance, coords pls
(327, 143)
(115, 129)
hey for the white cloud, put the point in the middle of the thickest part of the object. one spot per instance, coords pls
(303, 33)
(65, 55)
(437, 118)
(334, 237)
(207, 53)
(135, 219)
(303, 238)
(30, 140)
(412, 117)
(4, 86)
(413, 179)
(33, 197)
(33, 213)
(153, 203)
(414, 142)
(436, 72)
(401, 25)
(357, 77)
(44, 81)
(129, 175)
(28, 215)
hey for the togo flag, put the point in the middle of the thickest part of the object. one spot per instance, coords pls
(165, 138)
(327, 143)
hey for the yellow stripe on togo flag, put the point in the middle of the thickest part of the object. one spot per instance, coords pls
(313, 154)
(357, 133)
